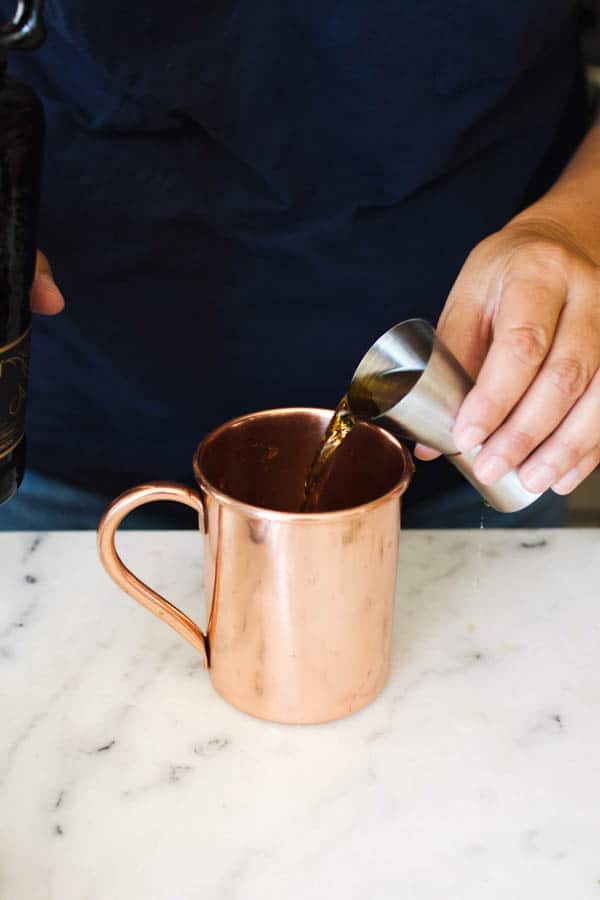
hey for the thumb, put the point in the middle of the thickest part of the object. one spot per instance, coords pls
(463, 329)
(46, 298)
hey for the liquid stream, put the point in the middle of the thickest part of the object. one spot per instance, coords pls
(370, 397)
(339, 428)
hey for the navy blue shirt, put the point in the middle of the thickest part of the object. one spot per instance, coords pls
(240, 198)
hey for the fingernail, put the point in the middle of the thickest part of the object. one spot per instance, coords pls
(539, 478)
(492, 469)
(423, 452)
(567, 483)
(469, 437)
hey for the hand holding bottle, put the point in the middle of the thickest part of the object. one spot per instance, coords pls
(46, 298)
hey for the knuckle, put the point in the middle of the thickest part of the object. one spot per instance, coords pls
(492, 412)
(569, 375)
(594, 456)
(475, 254)
(548, 255)
(483, 249)
(518, 444)
(542, 264)
(570, 452)
(528, 343)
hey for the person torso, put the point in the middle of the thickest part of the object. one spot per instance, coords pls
(240, 196)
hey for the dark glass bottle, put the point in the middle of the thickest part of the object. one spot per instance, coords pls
(21, 141)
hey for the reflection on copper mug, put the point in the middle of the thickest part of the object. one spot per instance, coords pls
(299, 604)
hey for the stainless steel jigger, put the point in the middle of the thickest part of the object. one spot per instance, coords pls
(410, 384)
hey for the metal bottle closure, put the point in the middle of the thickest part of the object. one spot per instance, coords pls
(26, 29)
(411, 384)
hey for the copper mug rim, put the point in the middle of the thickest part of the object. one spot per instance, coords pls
(280, 515)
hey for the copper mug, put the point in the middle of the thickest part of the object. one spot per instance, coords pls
(300, 604)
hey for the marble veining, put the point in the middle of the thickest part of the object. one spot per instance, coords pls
(476, 774)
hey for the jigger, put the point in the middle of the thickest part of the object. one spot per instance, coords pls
(412, 385)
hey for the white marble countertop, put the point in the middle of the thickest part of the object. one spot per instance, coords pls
(476, 774)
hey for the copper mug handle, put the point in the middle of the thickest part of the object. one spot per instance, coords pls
(124, 577)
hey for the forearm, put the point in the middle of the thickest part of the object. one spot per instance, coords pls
(573, 202)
